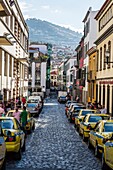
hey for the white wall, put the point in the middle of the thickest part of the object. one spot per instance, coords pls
(43, 75)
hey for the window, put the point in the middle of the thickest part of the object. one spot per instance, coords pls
(104, 64)
(100, 58)
(10, 66)
(97, 59)
(108, 127)
(5, 64)
(95, 118)
(109, 49)
(7, 124)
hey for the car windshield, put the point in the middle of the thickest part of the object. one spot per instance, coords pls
(7, 124)
(62, 96)
(95, 118)
(108, 127)
(33, 101)
(31, 104)
(84, 112)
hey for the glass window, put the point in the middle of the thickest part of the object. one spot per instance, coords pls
(95, 118)
(7, 124)
(108, 127)
(87, 111)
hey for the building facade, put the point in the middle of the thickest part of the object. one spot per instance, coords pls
(90, 34)
(104, 42)
(92, 74)
(14, 37)
(37, 68)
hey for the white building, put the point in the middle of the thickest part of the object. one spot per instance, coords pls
(13, 51)
(69, 75)
(37, 68)
(90, 34)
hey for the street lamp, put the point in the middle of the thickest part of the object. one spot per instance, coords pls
(107, 55)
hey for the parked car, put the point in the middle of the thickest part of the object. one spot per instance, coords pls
(68, 106)
(36, 99)
(89, 122)
(107, 153)
(81, 115)
(33, 108)
(15, 137)
(62, 99)
(30, 120)
(103, 129)
(2, 151)
(72, 114)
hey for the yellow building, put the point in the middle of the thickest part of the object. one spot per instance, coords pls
(104, 42)
(92, 75)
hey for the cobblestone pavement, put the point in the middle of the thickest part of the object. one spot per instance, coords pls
(55, 144)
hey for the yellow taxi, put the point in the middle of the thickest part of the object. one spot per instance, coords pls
(107, 154)
(30, 120)
(81, 115)
(13, 135)
(2, 151)
(89, 122)
(103, 129)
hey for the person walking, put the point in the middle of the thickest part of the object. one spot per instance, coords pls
(23, 101)
(23, 117)
(16, 114)
(103, 110)
(2, 112)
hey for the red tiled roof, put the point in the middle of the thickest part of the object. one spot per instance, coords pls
(54, 72)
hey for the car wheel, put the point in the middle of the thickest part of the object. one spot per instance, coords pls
(77, 128)
(79, 132)
(33, 128)
(4, 165)
(104, 166)
(18, 155)
(89, 144)
(84, 138)
(24, 146)
(96, 152)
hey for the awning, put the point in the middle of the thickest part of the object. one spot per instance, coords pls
(5, 41)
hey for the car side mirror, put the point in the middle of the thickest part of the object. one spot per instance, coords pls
(80, 120)
(7, 133)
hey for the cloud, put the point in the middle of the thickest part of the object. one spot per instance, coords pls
(45, 7)
(25, 7)
(56, 11)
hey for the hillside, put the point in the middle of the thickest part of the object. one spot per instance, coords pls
(46, 32)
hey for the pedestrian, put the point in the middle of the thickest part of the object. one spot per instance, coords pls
(2, 112)
(103, 110)
(23, 101)
(77, 98)
(16, 114)
(23, 117)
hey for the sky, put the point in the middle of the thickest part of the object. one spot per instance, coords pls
(67, 13)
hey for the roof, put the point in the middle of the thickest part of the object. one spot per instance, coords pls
(54, 72)
(42, 48)
(104, 6)
(87, 14)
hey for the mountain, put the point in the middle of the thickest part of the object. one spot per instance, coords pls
(46, 32)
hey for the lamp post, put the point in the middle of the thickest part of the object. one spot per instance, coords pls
(107, 55)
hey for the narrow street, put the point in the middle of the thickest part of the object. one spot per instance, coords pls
(55, 144)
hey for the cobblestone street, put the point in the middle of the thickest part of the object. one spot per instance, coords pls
(55, 144)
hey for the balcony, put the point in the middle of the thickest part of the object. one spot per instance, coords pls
(5, 41)
(4, 8)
